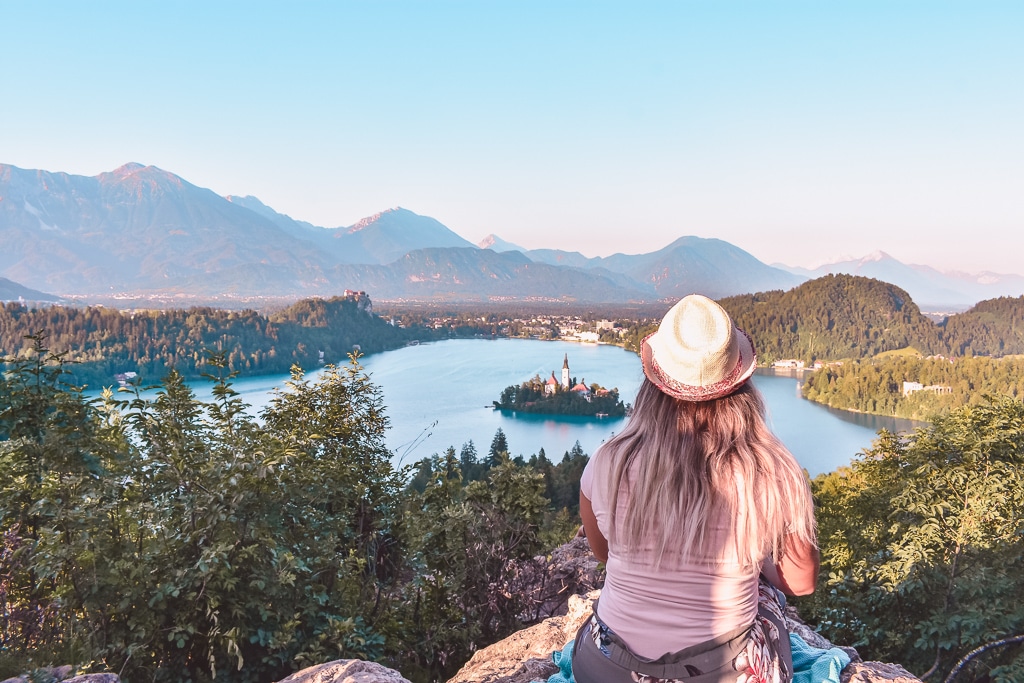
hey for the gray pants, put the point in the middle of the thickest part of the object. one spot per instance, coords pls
(709, 662)
(699, 664)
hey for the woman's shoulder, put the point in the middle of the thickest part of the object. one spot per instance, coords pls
(602, 459)
(596, 469)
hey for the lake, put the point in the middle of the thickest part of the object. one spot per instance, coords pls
(439, 395)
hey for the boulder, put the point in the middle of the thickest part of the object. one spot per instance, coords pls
(571, 569)
(525, 656)
(876, 672)
(63, 674)
(346, 671)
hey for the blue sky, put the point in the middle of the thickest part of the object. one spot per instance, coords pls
(800, 131)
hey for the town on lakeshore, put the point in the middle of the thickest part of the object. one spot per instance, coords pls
(853, 341)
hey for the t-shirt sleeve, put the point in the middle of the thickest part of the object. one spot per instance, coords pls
(593, 485)
(587, 479)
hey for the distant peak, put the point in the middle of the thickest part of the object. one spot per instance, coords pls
(137, 175)
(877, 255)
(134, 168)
(129, 167)
(370, 220)
(243, 201)
(495, 243)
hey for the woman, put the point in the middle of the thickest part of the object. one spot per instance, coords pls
(688, 506)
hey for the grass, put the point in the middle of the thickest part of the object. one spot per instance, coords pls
(908, 351)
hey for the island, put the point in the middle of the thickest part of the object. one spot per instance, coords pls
(565, 397)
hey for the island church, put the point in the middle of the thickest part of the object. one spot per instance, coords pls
(551, 386)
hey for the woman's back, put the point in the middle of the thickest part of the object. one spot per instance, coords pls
(687, 506)
(682, 601)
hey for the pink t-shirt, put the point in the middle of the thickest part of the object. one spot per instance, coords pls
(661, 609)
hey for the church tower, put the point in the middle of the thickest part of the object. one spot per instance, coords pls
(565, 372)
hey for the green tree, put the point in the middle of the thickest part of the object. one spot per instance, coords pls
(469, 463)
(471, 545)
(173, 539)
(498, 449)
(920, 543)
(53, 453)
(565, 480)
(178, 540)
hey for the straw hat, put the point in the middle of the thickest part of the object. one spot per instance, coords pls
(697, 354)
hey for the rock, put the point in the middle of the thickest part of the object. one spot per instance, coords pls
(346, 671)
(61, 673)
(857, 671)
(525, 656)
(64, 675)
(877, 672)
(810, 636)
(549, 581)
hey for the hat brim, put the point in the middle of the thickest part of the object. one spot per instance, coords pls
(744, 368)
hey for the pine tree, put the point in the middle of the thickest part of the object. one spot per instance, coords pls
(499, 447)
(469, 462)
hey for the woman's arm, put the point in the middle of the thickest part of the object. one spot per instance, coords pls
(598, 543)
(796, 572)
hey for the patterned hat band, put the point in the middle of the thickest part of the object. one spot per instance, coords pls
(697, 354)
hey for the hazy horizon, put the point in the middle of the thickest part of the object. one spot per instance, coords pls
(801, 133)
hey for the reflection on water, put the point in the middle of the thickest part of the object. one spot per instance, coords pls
(873, 422)
(820, 437)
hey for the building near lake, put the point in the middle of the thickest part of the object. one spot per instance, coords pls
(913, 387)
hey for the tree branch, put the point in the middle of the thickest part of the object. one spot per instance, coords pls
(977, 651)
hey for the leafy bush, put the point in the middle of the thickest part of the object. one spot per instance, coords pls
(171, 539)
(182, 540)
(922, 539)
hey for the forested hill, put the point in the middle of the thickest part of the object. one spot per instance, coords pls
(833, 317)
(101, 342)
(847, 316)
(992, 328)
(838, 317)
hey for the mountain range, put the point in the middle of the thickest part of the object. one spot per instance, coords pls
(142, 232)
(931, 289)
(12, 291)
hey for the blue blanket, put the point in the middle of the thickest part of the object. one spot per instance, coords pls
(814, 665)
(563, 659)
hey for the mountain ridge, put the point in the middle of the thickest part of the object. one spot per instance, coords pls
(933, 289)
(142, 231)
(12, 291)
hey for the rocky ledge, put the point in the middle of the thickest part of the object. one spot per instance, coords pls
(525, 656)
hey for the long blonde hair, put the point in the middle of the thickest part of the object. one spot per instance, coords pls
(690, 464)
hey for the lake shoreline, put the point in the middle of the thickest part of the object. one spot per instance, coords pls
(437, 396)
(767, 370)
